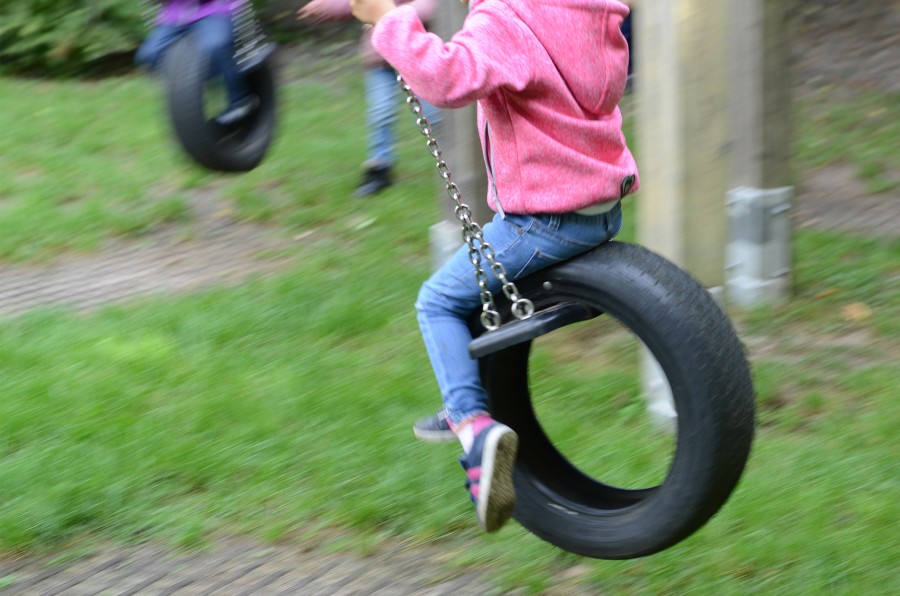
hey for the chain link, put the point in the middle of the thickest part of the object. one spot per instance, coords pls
(522, 308)
(249, 37)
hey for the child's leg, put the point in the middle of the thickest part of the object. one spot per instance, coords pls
(382, 102)
(150, 54)
(432, 114)
(215, 35)
(523, 244)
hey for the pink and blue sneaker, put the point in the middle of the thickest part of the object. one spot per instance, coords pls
(435, 429)
(489, 473)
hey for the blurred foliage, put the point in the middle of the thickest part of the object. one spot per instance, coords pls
(48, 37)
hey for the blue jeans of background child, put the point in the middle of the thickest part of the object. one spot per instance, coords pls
(383, 99)
(214, 36)
(523, 244)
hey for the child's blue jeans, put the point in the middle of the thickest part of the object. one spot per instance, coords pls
(214, 35)
(383, 99)
(524, 244)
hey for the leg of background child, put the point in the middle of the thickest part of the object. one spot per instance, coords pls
(150, 54)
(433, 115)
(383, 100)
(382, 103)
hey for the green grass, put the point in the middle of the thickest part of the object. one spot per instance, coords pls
(82, 162)
(282, 408)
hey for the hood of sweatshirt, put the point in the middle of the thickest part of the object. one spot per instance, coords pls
(578, 53)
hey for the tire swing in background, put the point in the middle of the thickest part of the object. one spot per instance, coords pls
(674, 319)
(192, 88)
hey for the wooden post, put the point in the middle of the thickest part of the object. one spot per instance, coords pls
(682, 132)
(760, 94)
(458, 138)
(758, 267)
(713, 115)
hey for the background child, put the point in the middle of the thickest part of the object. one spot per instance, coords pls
(210, 23)
(547, 78)
(382, 91)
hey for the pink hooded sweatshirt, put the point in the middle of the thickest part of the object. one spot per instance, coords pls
(547, 77)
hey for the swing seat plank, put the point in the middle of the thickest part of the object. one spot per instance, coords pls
(522, 330)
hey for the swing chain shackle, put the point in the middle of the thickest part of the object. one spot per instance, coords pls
(522, 308)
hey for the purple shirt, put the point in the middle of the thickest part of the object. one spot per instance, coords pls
(184, 12)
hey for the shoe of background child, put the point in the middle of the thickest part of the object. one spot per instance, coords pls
(375, 179)
(489, 472)
(238, 111)
(434, 429)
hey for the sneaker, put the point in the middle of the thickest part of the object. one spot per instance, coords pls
(238, 111)
(434, 429)
(375, 179)
(489, 472)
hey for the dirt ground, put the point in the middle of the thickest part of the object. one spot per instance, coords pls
(844, 45)
(841, 48)
(848, 44)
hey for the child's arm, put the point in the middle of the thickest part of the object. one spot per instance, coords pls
(319, 11)
(426, 9)
(490, 52)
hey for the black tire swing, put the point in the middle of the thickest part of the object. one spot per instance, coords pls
(697, 350)
(238, 147)
(702, 360)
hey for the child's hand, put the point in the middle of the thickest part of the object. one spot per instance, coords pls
(371, 11)
(313, 12)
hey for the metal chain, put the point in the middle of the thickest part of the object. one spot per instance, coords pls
(522, 308)
(249, 36)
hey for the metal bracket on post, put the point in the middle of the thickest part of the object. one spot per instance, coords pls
(758, 252)
(660, 402)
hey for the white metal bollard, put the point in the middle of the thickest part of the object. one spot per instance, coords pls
(758, 251)
(445, 238)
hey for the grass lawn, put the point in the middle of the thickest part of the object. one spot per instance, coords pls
(282, 408)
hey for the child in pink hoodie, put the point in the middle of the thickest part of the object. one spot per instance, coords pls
(547, 77)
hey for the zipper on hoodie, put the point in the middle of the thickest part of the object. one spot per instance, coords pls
(488, 161)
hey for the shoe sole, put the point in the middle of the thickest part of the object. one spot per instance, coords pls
(434, 436)
(497, 493)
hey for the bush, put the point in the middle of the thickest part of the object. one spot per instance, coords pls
(50, 37)
(53, 38)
